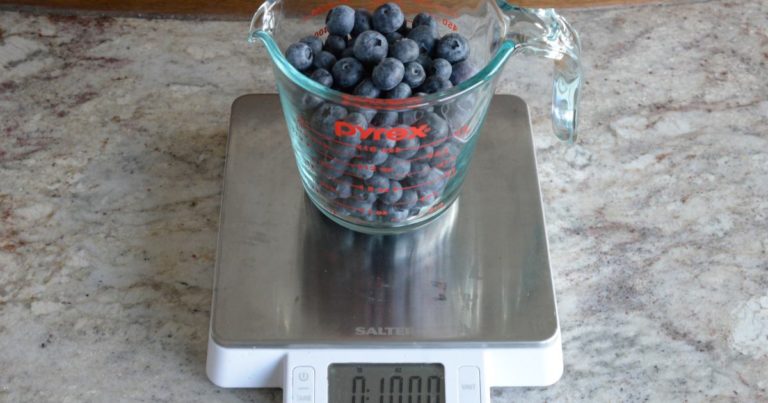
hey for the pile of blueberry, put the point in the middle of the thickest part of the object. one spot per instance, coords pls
(387, 177)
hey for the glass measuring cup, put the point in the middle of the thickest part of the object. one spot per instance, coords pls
(390, 165)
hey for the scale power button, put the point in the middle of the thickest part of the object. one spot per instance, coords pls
(469, 385)
(303, 385)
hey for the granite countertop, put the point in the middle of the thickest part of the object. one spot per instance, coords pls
(112, 136)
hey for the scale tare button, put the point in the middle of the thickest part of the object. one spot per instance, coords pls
(469, 385)
(304, 385)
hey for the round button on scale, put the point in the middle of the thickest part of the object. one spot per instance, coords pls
(303, 385)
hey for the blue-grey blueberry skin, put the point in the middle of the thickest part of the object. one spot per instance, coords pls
(393, 213)
(384, 119)
(406, 50)
(362, 21)
(324, 60)
(362, 193)
(425, 61)
(343, 187)
(314, 43)
(357, 119)
(426, 197)
(425, 19)
(359, 208)
(335, 44)
(383, 143)
(445, 156)
(334, 168)
(393, 37)
(435, 84)
(419, 170)
(407, 147)
(401, 91)
(370, 47)
(367, 89)
(414, 74)
(409, 117)
(347, 72)
(394, 193)
(387, 18)
(441, 68)
(340, 20)
(299, 55)
(424, 37)
(325, 117)
(377, 184)
(425, 153)
(395, 168)
(309, 101)
(462, 71)
(408, 199)
(323, 77)
(343, 150)
(361, 169)
(435, 181)
(373, 157)
(388, 74)
(438, 127)
(349, 51)
(452, 47)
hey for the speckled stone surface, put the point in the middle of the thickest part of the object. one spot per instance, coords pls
(112, 135)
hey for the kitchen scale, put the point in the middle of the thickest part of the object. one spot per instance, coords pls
(438, 315)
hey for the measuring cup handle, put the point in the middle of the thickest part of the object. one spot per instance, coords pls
(543, 32)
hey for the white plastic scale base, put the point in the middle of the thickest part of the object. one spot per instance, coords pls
(295, 293)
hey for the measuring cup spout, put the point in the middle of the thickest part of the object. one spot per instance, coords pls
(542, 32)
(263, 22)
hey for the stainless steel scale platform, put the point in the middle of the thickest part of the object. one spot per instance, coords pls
(297, 297)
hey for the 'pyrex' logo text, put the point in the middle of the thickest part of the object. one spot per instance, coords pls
(346, 129)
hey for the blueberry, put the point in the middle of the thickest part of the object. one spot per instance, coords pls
(387, 74)
(340, 20)
(357, 119)
(414, 74)
(425, 153)
(462, 71)
(435, 84)
(368, 113)
(343, 150)
(299, 55)
(335, 44)
(384, 119)
(427, 20)
(393, 37)
(419, 170)
(323, 77)
(445, 156)
(425, 61)
(408, 199)
(393, 213)
(373, 157)
(334, 168)
(342, 188)
(377, 184)
(407, 147)
(457, 113)
(438, 127)
(435, 181)
(309, 101)
(406, 50)
(361, 192)
(347, 72)
(325, 117)
(400, 91)
(360, 169)
(314, 43)
(349, 51)
(370, 47)
(424, 37)
(393, 194)
(395, 168)
(410, 117)
(441, 68)
(426, 197)
(324, 60)
(452, 47)
(360, 208)
(388, 18)
(362, 21)
(367, 89)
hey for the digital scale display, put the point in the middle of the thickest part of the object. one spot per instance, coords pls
(386, 383)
